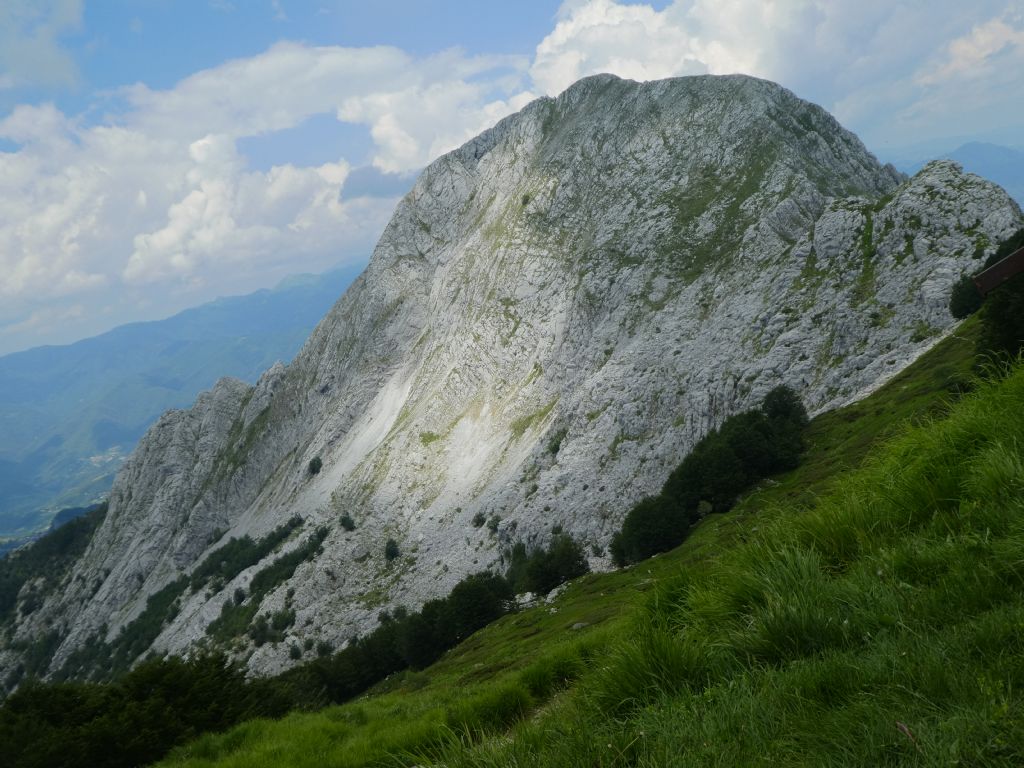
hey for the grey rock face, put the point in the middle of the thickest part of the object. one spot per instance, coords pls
(556, 313)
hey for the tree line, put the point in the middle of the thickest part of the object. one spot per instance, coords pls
(161, 703)
(725, 463)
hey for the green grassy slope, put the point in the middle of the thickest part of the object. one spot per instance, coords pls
(868, 616)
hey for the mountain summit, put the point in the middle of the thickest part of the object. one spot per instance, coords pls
(555, 314)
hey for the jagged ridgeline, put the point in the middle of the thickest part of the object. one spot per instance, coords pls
(557, 312)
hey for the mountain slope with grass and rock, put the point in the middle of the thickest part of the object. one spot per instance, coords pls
(557, 312)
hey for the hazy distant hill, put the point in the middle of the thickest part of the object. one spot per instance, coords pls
(1003, 165)
(70, 414)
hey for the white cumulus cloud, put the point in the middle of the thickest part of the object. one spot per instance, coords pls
(153, 207)
(894, 72)
(30, 49)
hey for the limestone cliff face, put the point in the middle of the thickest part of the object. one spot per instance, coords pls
(557, 311)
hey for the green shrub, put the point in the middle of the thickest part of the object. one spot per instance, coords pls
(315, 465)
(227, 561)
(347, 522)
(723, 464)
(964, 299)
(1002, 320)
(478, 600)
(234, 620)
(555, 441)
(542, 570)
(653, 525)
(135, 721)
(391, 550)
(479, 519)
(49, 558)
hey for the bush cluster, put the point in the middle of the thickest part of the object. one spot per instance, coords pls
(162, 703)
(49, 558)
(727, 461)
(229, 560)
(237, 619)
(404, 640)
(543, 569)
(1001, 312)
(99, 660)
(135, 721)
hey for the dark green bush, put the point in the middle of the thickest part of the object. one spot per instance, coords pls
(315, 465)
(542, 570)
(1002, 320)
(478, 600)
(229, 560)
(726, 462)
(134, 721)
(235, 619)
(964, 299)
(347, 522)
(391, 550)
(50, 557)
(653, 525)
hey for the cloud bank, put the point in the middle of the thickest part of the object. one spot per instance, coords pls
(152, 207)
(145, 204)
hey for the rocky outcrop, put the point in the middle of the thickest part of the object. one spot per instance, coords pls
(557, 311)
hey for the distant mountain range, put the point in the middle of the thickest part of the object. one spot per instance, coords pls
(69, 415)
(1001, 164)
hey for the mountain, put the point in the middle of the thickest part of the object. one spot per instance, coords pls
(1003, 165)
(556, 313)
(69, 415)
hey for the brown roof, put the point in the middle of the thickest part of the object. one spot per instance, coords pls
(1000, 272)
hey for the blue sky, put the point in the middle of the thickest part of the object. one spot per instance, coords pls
(156, 154)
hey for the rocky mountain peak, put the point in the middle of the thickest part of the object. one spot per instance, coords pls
(557, 311)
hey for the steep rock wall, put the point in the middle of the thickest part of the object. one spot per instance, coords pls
(557, 311)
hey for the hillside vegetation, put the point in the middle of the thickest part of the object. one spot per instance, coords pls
(863, 617)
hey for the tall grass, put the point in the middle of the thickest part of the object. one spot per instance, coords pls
(884, 626)
(397, 728)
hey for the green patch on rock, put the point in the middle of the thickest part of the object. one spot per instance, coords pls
(426, 438)
(521, 425)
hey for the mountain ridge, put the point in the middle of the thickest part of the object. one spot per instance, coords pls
(1001, 164)
(555, 313)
